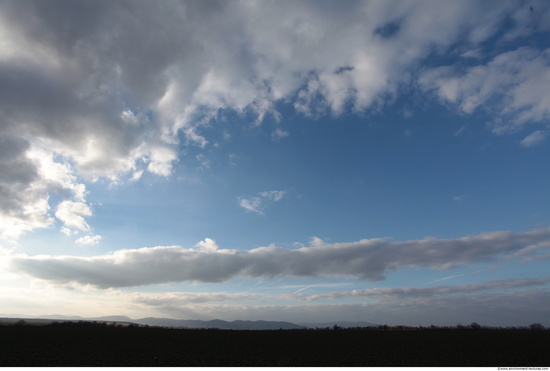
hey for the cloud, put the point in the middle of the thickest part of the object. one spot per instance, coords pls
(512, 86)
(405, 293)
(368, 259)
(279, 133)
(255, 204)
(204, 162)
(107, 97)
(89, 240)
(273, 195)
(23, 202)
(534, 138)
(208, 245)
(72, 215)
(300, 288)
(516, 307)
(494, 309)
(28, 174)
(173, 299)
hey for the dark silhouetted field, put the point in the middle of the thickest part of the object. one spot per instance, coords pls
(103, 345)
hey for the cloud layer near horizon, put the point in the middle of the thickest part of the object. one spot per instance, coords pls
(103, 89)
(415, 292)
(438, 305)
(411, 305)
(522, 308)
(366, 259)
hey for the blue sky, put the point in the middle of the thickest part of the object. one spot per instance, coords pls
(308, 162)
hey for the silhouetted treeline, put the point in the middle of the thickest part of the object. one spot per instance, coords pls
(96, 324)
(473, 326)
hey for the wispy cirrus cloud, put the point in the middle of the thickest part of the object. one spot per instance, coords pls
(279, 134)
(534, 138)
(368, 259)
(253, 204)
(256, 204)
(273, 195)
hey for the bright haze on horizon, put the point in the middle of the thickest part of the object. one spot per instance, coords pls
(301, 161)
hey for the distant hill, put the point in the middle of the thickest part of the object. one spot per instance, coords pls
(217, 323)
(113, 318)
(343, 324)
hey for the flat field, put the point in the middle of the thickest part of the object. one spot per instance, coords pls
(79, 345)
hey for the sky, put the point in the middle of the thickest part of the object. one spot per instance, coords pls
(303, 161)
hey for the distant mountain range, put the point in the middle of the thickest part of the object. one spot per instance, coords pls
(220, 324)
(216, 323)
(343, 324)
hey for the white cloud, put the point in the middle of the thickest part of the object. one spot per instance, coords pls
(68, 232)
(279, 134)
(273, 195)
(534, 138)
(512, 86)
(255, 204)
(29, 173)
(203, 161)
(161, 159)
(136, 176)
(56, 176)
(208, 244)
(88, 240)
(72, 215)
(365, 259)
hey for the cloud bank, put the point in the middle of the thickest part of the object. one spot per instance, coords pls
(488, 308)
(110, 90)
(365, 259)
(416, 292)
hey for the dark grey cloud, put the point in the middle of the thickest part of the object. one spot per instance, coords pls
(59, 23)
(365, 259)
(16, 173)
(23, 202)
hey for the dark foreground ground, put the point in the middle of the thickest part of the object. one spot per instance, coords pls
(138, 346)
